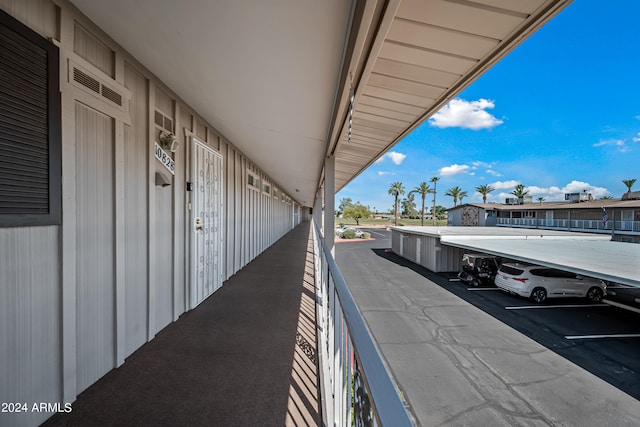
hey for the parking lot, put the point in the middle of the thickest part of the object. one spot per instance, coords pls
(603, 339)
(399, 298)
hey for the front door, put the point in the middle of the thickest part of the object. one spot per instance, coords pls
(549, 218)
(207, 216)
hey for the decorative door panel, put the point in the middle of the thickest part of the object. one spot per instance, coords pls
(207, 215)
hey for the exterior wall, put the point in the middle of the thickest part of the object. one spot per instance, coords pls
(77, 299)
(426, 251)
(469, 216)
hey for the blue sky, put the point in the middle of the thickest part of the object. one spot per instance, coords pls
(560, 113)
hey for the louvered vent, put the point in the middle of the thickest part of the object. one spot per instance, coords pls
(112, 95)
(87, 81)
(163, 121)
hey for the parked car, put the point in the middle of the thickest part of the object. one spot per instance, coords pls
(539, 283)
(340, 231)
(478, 269)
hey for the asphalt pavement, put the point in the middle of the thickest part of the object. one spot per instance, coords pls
(480, 357)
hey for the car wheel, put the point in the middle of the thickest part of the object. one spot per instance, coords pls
(475, 283)
(539, 295)
(595, 294)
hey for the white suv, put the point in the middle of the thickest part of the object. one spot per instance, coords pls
(539, 283)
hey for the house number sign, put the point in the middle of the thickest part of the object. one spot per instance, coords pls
(165, 159)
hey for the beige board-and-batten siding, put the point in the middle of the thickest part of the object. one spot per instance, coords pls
(78, 298)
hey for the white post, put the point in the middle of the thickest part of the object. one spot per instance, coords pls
(329, 202)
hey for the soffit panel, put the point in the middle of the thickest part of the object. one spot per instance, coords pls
(384, 116)
(415, 73)
(437, 60)
(388, 105)
(464, 17)
(521, 6)
(432, 49)
(376, 125)
(440, 39)
(402, 98)
(405, 86)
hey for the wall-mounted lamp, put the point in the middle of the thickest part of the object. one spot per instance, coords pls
(162, 180)
(169, 141)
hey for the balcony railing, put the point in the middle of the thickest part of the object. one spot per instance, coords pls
(574, 224)
(358, 389)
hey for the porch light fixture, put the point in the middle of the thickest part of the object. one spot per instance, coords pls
(169, 141)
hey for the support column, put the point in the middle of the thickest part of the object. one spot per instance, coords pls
(329, 202)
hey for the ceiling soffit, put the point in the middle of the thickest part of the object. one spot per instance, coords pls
(423, 53)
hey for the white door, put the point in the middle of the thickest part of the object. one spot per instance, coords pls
(549, 218)
(207, 216)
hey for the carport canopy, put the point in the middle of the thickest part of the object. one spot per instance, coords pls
(593, 255)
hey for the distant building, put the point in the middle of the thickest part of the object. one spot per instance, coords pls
(579, 212)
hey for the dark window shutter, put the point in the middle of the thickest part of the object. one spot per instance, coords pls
(30, 160)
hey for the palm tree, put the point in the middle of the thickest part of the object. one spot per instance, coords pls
(484, 190)
(519, 191)
(456, 193)
(629, 183)
(541, 199)
(435, 180)
(423, 189)
(396, 190)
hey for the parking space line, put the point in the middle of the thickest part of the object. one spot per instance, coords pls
(624, 306)
(526, 307)
(455, 280)
(483, 289)
(589, 337)
(375, 232)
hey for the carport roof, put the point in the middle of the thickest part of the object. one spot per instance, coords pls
(589, 254)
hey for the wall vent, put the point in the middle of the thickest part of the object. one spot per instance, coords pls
(108, 92)
(86, 80)
(163, 121)
(112, 95)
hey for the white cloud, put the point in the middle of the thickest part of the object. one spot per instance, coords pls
(465, 114)
(494, 173)
(383, 173)
(479, 164)
(578, 186)
(504, 185)
(395, 157)
(553, 193)
(619, 144)
(454, 169)
(636, 138)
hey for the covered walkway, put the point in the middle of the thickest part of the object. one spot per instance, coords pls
(245, 357)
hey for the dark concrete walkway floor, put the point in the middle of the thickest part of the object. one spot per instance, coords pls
(245, 357)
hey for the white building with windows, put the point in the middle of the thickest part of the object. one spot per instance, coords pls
(618, 217)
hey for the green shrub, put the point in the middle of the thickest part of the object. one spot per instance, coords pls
(341, 224)
(349, 234)
(366, 235)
